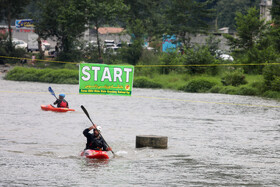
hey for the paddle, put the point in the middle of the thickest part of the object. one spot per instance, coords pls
(85, 111)
(52, 92)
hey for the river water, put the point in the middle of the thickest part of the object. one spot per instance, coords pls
(213, 139)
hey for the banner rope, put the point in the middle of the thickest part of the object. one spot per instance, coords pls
(149, 66)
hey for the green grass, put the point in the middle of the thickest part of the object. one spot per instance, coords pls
(176, 81)
(254, 78)
(173, 81)
(61, 76)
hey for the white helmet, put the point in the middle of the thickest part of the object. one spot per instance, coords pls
(99, 129)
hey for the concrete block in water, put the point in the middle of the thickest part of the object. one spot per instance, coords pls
(151, 141)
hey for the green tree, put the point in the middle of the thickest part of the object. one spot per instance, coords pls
(275, 12)
(199, 55)
(145, 11)
(185, 17)
(141, 22)
(226, 11)
(11, 9)
(253, 41)
(32, 10)
(65, 21)
(101, 12)
(250, 29)
(133, 53)
(275, 27)
(213, 44)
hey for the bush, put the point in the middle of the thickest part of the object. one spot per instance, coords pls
(73, 55)
(198, 85)
(8, 49)
(245, 90)
(168, 60)
(229, 90)
(257, 55)
(131, 54)
(63, 76)
(215, 89)
(234, 78)
(170, 81)
(148, 58)
(275, 84)
(270, 73)
(272, 94)
(259, 85)
(199, 56)
(71, 66)
(144, 82)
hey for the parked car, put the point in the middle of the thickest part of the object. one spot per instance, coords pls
(109, 43)
(122, 44)
(19, 44)
(46, 44)
(112, 50)
(222, 55)
(226, 57)
(89, 45)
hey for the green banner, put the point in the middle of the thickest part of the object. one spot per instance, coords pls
(105, 79)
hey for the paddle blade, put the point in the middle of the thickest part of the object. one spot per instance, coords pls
(85, 111)
(51, 91)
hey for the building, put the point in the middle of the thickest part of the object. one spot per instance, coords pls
(108, 33)
(265, 7)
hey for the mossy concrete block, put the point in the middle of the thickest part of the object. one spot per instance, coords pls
(153, 141)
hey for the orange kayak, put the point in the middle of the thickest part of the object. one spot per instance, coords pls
(52, 108)
(95, 154)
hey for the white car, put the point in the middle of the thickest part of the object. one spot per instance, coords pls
(19, 44)
(111, 50)
(226, 57)
(222, 55)
(109, 43)
(91, 43)
(46, 44)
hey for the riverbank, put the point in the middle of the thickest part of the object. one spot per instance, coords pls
(4, 68)
(240, 84)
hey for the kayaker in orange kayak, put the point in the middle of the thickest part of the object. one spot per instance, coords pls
(95, 141)
(61, 102)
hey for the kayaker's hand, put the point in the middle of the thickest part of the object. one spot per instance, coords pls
(92, 127)
(109, 149)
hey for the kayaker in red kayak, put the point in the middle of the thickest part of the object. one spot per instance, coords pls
(95, 141)
(61, 102)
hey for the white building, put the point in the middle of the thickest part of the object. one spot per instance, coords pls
(265, 7)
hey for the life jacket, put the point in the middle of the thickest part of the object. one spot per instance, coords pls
(63, 104)
(96, 144)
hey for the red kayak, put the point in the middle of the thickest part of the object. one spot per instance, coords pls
(52, 108)
(95, 154)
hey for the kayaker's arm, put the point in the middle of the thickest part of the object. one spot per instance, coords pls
(92, 127)
(86, 131)
(105, 147)
(67, 105)
(56, 102)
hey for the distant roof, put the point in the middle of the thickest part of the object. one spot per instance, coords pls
(110, 30)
